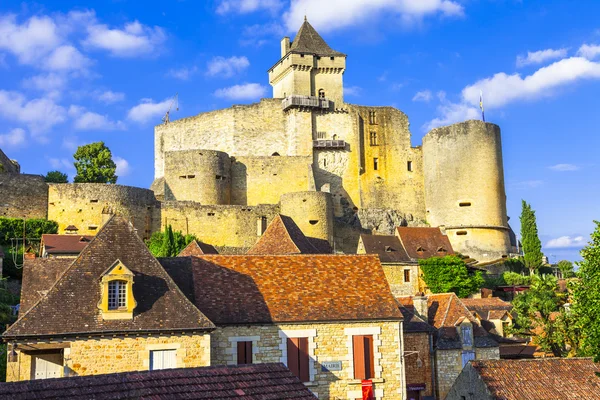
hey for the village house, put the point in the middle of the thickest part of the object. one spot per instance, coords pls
(493, 314)
(70, 246)
(112, 309)
(546, 378)
(458, 337)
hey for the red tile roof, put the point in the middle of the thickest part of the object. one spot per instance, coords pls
(293, 288)
(65, 244)
(387, 247)
(424, 242)
(195, 248)
(488, 308)
(248, 382)
(540, 378)
(283, 236)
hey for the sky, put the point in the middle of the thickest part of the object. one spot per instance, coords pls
(73, 74)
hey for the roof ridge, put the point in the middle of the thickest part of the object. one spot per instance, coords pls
(287, 231)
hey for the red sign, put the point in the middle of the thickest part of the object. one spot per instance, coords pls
(367, 389)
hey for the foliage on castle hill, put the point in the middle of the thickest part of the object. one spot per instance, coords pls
(450, 274)
(532, 246)
(94, 164)
(566, 268)
(168, 243)
(56, 177)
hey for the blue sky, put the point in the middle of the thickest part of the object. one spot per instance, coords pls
(71, 75)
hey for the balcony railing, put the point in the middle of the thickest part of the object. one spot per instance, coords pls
(329, 144)
(304, 101)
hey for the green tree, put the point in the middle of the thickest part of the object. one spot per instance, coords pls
(566, 267)
(94, 164)
(586, 296)
(515, 279)
(156, 243)
(56, 177)
(450, 274)
(532, 247)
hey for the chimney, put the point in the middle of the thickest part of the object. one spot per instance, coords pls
(285, 46)
(421, 308)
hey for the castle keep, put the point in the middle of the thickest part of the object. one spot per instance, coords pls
(338, 170)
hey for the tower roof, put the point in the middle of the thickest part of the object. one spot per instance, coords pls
(308, 41)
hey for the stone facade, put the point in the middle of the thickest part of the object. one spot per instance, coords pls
(396, 278)
(104, 355)
(418, 361)
(327, 342)
(23, 196)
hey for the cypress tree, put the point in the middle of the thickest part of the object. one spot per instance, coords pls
(532, 247)
(167, 248)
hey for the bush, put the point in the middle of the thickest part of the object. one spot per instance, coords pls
(157, 246)
(450, 274)
(514, 279)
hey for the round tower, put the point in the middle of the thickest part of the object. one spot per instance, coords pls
(464, 188)
(203, 176)
(311, 211)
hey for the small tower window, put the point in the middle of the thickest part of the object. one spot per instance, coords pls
(465, 204)
(372, 118)
(321, 93)
(375, 164)
(373, 138)
(409, 166)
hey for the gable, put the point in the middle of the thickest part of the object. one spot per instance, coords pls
(283, 236)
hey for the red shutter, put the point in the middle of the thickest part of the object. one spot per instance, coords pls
(303, 359)
(241, 352)
(292, 353)
(358, 350)
(248, 352)
(369, 358)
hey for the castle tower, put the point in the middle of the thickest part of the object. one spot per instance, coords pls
(464, 188)
(308, 67)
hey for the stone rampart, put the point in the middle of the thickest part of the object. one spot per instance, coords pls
(23, 196)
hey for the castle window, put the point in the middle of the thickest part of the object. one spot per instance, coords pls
(373, 138)
(313, 221)
(321, 93)
(372, 118)
(191, 176)
(409, 166)
(461, 233)
(94, 201)
(332, 58)
(375, 164)
(92, 227)
(302, 55)
(276, 154)
(465, 204)
(261, 225)
(117, 295)
(321, 134)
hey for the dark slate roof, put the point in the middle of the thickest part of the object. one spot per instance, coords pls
(387, 247)
(308, 41)
(291, 288)
(161, 306)
(39, 275)
(196, 248)
(424, 242)
(283, 236)
(540, 378)
(65, 244)
(250, 382)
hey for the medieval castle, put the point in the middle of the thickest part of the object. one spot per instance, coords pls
(337, 169)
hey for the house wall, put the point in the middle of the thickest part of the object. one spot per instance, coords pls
(395, 277)
(469, 385)
(418, 342)
(327, 342)
(120, 354)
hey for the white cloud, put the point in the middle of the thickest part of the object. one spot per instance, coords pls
(67, 58)
(566, 242)
(452, 113)
(589, 51)
(183, 73)
(336, 14)
(39, 114)
(71, 143)
(530, 184)
(352, 90)
(90, 121)
(260, 34)
(31, 40)
(227, 67)
(247, 6)
(564, 167)
(541, 56)
(132, 40)
(46, 82)
(110, 97)
(424, 95)
(148, 110)
(14, 138)
(61, 164)
(123, 168)
(247, 91)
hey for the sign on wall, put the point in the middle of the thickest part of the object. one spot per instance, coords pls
(327, 366)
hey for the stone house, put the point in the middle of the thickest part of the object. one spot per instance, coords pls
(112, 309)
(493, 314)
(69, 245)
(400, 254)
(458, 337)
(330, 318)
(545, 378)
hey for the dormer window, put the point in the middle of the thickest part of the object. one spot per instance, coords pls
(116, 292)
(441, 250)
(420, 249)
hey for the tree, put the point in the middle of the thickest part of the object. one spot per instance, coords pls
(586, 296)
(168, 246)
(450, 274)
(94, 164)
(566, 267)
(158, 248)
(56, 177)
(532, 247)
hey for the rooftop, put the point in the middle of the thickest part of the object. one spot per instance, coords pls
(195, 248)
(65, 244)
(424, 242)
(308, 41)
(387, 247)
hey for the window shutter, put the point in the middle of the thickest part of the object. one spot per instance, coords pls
(241, 352)
(292, 353)
(248, 352)
(303, 359)
(358, 350)
(369, 358)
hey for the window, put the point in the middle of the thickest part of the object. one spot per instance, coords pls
(297, 353)
(244, 352)
(407, 275)
(49, 365)
(162, 359)
(332, 58)
(409, 166)
(117, 295)
(465, 204)
(373, 138)
(375, 164)
(372, 118)
(461, 233)
(466, 335)
(467, 356)
(321, 93)
(362, 350)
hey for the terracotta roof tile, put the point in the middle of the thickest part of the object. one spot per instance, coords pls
(488, 308)
(161, 306)
(548, 378)
(250, 382)
(424, 242)
(387, 247)
(65, 244)
(292, 288)
(195, 248)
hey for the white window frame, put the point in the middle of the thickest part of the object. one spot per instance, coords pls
(172, 353)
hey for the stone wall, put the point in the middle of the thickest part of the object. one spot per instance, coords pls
(23, 196)
(469, 385)
(395, 277)
(418, 372)
(7, 165)
(121, 354)
(311, 211)
(327, 342)
(89, 205)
